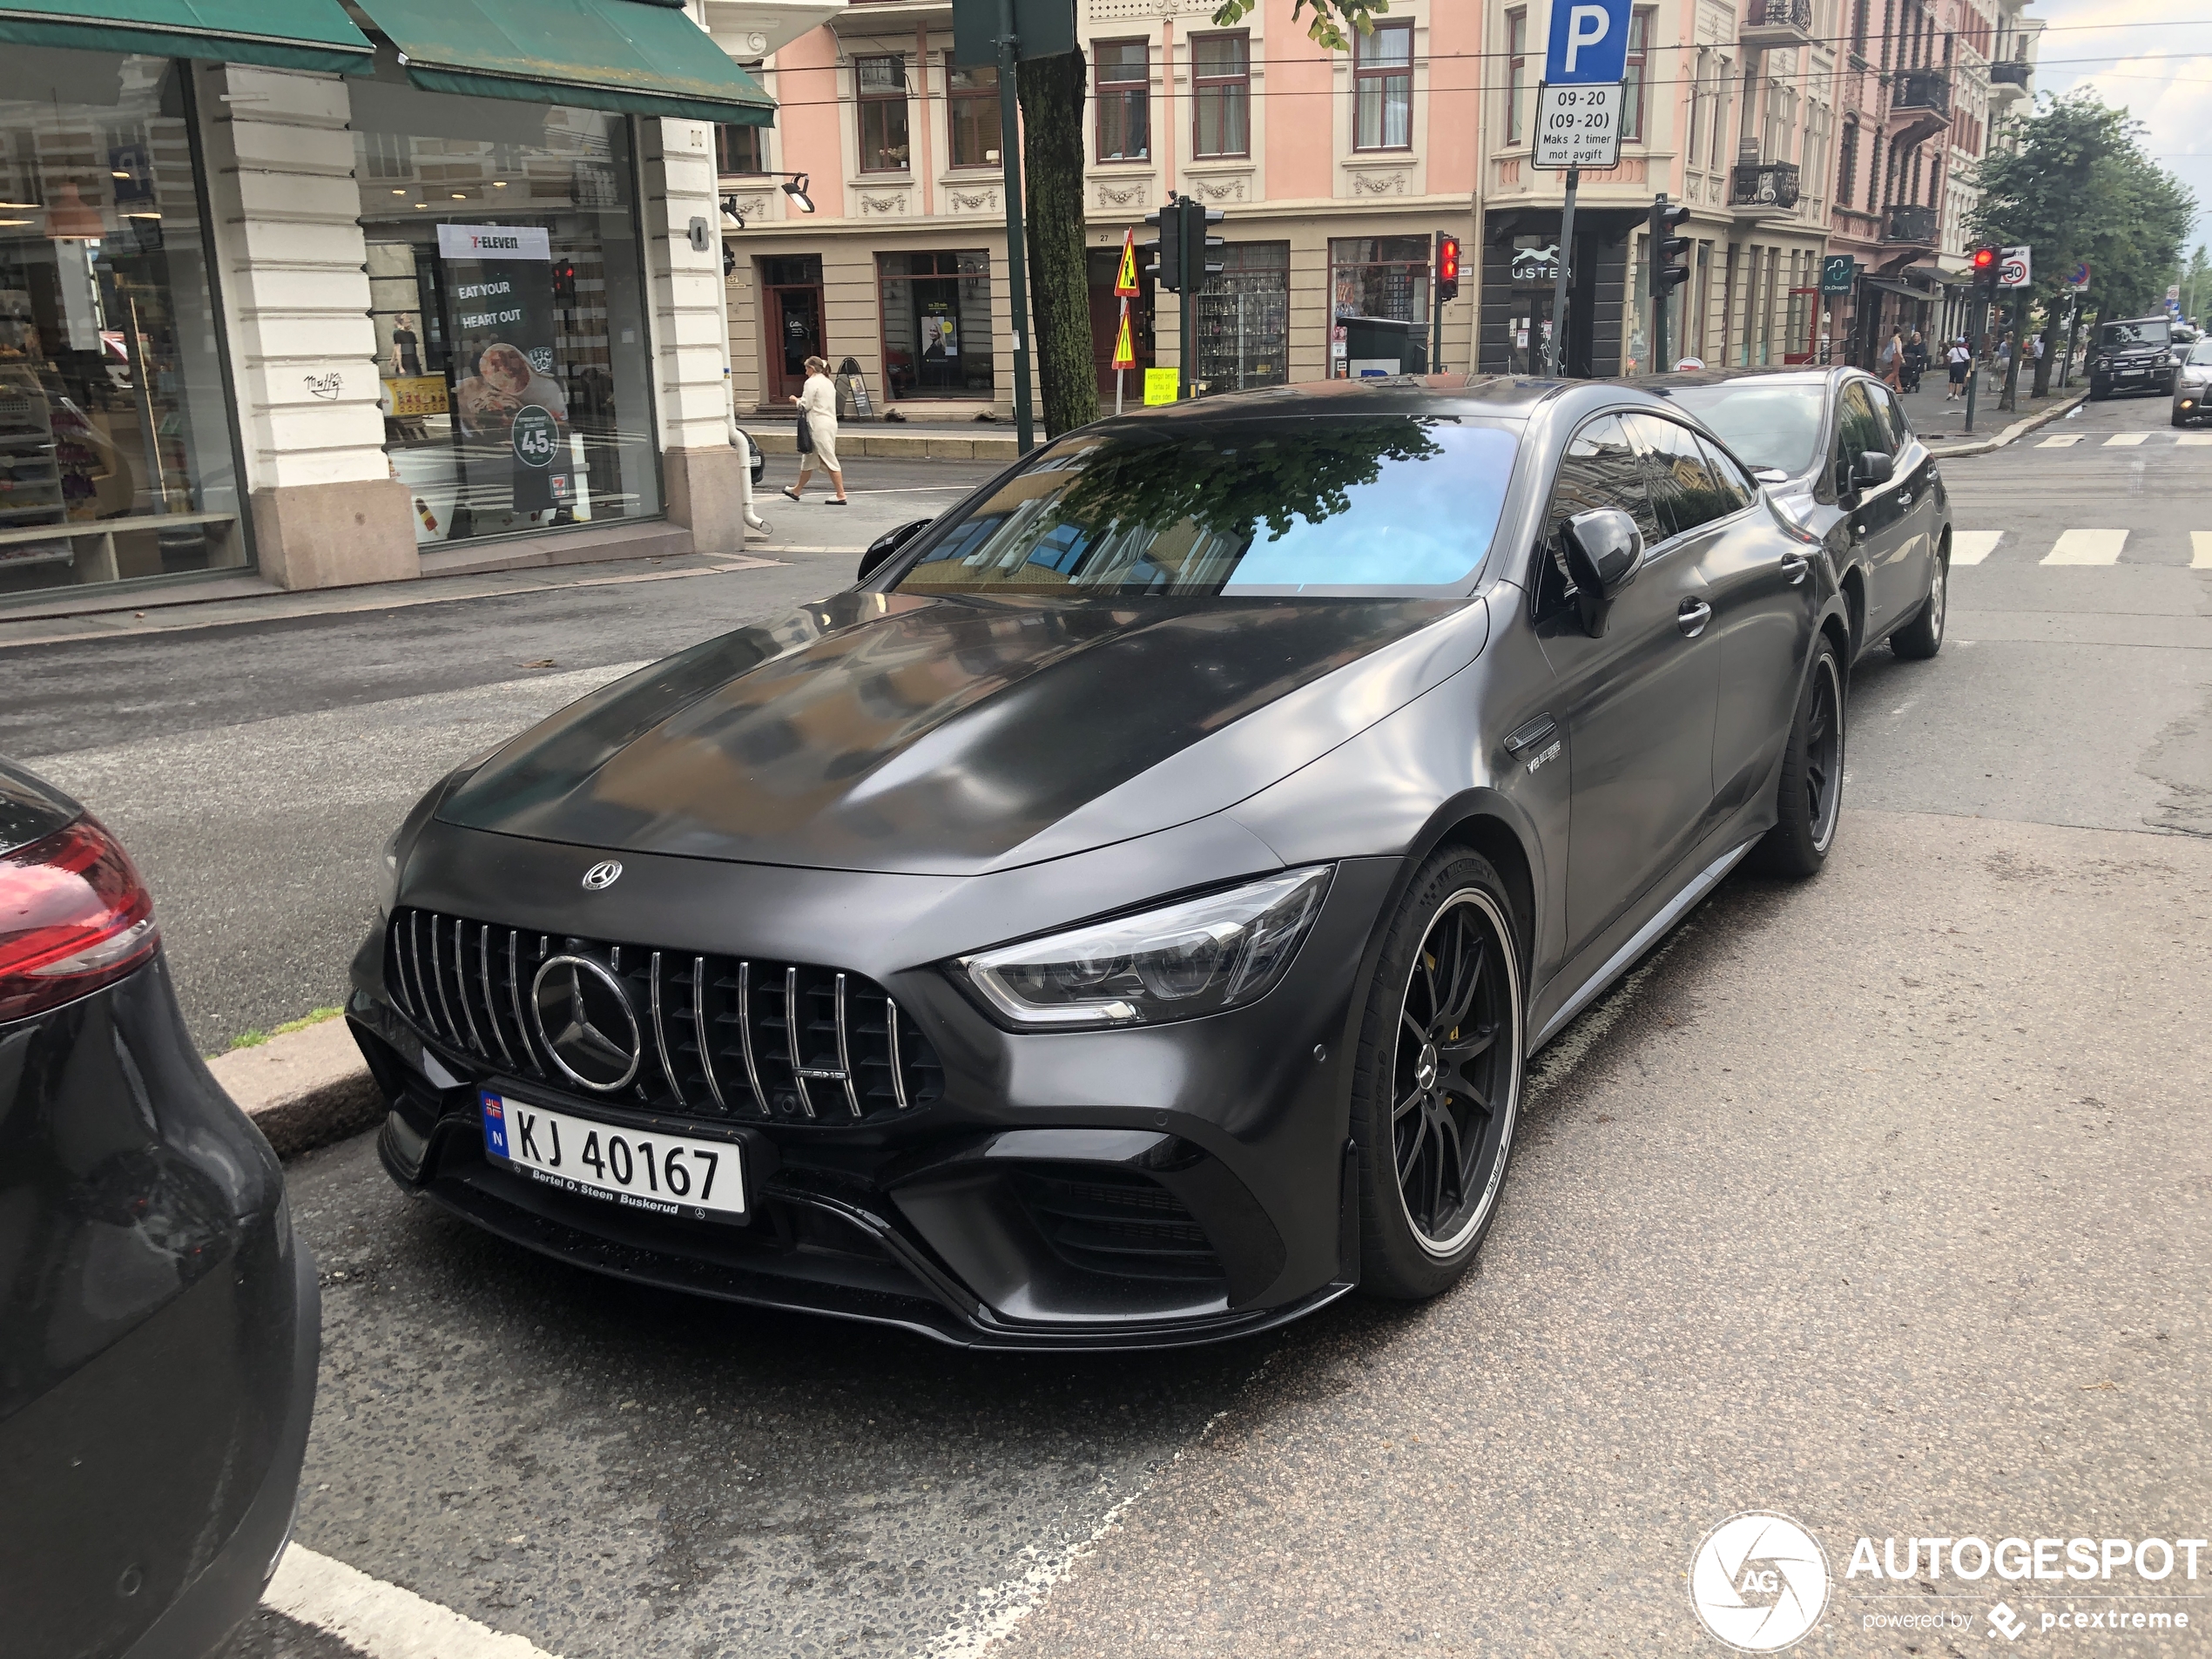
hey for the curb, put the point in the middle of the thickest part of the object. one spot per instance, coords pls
(304, 1089)
(2017, 429)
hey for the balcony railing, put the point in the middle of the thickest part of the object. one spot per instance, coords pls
(1769, 184)
(1913, 223)
(1770, 22)
(2008, 75)
(1925, 89)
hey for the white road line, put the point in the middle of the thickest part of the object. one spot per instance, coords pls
(2193, 440)
(2063, 442)
(2120, 440)
(2200, 550)
(1972, 547)
(2087, 547)
(382, 1620)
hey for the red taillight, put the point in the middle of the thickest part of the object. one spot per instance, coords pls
(74, 916)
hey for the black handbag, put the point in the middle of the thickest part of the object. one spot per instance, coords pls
(805, 436)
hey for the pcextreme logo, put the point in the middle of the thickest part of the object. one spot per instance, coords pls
(1759, 1582)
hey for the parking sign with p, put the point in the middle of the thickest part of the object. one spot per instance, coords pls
(1589, 42)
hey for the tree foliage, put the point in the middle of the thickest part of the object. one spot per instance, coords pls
(1051, 90)
(1330, 18)
(2075, 184)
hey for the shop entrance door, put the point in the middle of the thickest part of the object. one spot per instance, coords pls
(791, 292)
(936, 303)
(1801, 347)
(1529, 331)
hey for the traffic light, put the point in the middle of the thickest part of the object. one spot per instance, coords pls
(1447, 269)
(1197, 222)
(1985, 264)
(1166, 254)
(565, 281)
(1667, 247)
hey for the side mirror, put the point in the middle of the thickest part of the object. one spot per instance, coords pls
(885, 545)
(1604, 552)
(1871, 470)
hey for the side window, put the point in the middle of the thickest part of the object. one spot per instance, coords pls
(1728, 477)
(1683, 486)
(1599, 470)
(1892, 411)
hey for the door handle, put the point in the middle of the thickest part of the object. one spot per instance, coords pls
(1794, 566)
(1904, 498)
(1693, 617)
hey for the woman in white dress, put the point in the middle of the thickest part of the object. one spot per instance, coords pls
(818, 405)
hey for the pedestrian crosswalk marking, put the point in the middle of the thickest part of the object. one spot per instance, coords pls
(2200, 550)
(2087, 547)
(2194, 439)
(1972, 547)
(2125, 438)
(2062, 441)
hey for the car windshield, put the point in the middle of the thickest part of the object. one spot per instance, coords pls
(2202, 352)
(2119, 336)
(1356, 505)
(1769, 423)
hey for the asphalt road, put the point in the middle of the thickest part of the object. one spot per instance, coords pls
(1878, 1201)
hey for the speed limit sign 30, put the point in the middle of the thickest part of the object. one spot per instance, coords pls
(2013, 269)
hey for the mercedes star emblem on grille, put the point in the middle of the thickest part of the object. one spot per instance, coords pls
(584, 1017)
(602, 875)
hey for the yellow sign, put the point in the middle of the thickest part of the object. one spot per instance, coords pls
(416, 395)
(1125, 278)
(1124, 349)
(1160, 385)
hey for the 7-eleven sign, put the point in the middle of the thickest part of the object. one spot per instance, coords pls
(1125, 278)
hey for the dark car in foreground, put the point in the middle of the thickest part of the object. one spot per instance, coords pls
(160, 1323)
(1837, 456)
(1122, 918)
(2135, 354)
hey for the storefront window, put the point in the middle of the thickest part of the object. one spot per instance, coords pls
(116, 454)
(1380, 276)
(506, 282)
(1243, 320)
(936, 324)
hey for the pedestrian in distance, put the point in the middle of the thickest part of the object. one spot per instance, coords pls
(1957, 360)
(1916, 360)
(817, 403)
(1892, 362)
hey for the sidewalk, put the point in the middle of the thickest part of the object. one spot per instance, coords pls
(1936, 418)
(777, 434)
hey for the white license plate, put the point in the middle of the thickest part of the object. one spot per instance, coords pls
(668, 1175)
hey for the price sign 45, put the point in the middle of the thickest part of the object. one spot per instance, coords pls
(535, 435)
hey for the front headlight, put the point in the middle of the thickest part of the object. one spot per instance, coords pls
(1199, 956)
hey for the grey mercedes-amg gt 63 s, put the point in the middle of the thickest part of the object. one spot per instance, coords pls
(1122, 918)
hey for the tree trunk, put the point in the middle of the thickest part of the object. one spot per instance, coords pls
(1052, 154)
(2043, 364)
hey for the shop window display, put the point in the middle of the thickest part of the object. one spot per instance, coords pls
(937, 324)
(506, 282)
(116, 458)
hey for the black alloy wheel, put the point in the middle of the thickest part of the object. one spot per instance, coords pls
(1811, 797)
(1922, 637)
(1441, 1079)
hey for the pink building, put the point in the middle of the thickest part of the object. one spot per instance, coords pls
(1337, 173)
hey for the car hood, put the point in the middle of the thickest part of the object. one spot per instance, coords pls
(955, 735)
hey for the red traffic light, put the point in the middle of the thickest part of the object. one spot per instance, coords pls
(1984, 259)
(1447, 269)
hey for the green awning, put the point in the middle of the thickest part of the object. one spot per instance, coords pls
(287, 34)
(635, 56)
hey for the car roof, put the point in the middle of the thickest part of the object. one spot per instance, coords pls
(1816, 374)
(1505, 397)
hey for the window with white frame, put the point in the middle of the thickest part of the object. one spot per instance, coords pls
(1382, 72)
(1517, 77)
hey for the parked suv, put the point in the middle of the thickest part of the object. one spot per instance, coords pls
(2134, 355)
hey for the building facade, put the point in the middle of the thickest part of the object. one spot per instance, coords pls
(1336, 173)
(326, 302)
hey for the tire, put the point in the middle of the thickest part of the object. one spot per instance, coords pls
(2098, 393)
(1922, 637)
(1809, 800)
(1426, 1098)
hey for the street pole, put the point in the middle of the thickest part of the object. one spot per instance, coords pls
(1118, 370)
(1017, 287)
(1973, 357)
(1658, 365)
(1557, 355)
(2014, 314)
(1435, 325)
(2073, 337)
(1192, 276)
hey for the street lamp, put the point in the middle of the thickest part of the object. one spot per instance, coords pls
(795, 187)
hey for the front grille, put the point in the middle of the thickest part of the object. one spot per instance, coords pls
(724, 1036)
(1125, 1225)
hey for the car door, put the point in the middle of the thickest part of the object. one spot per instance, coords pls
(1877, 518)
(1766, 603)
(1636, 703)
(1915, 502)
